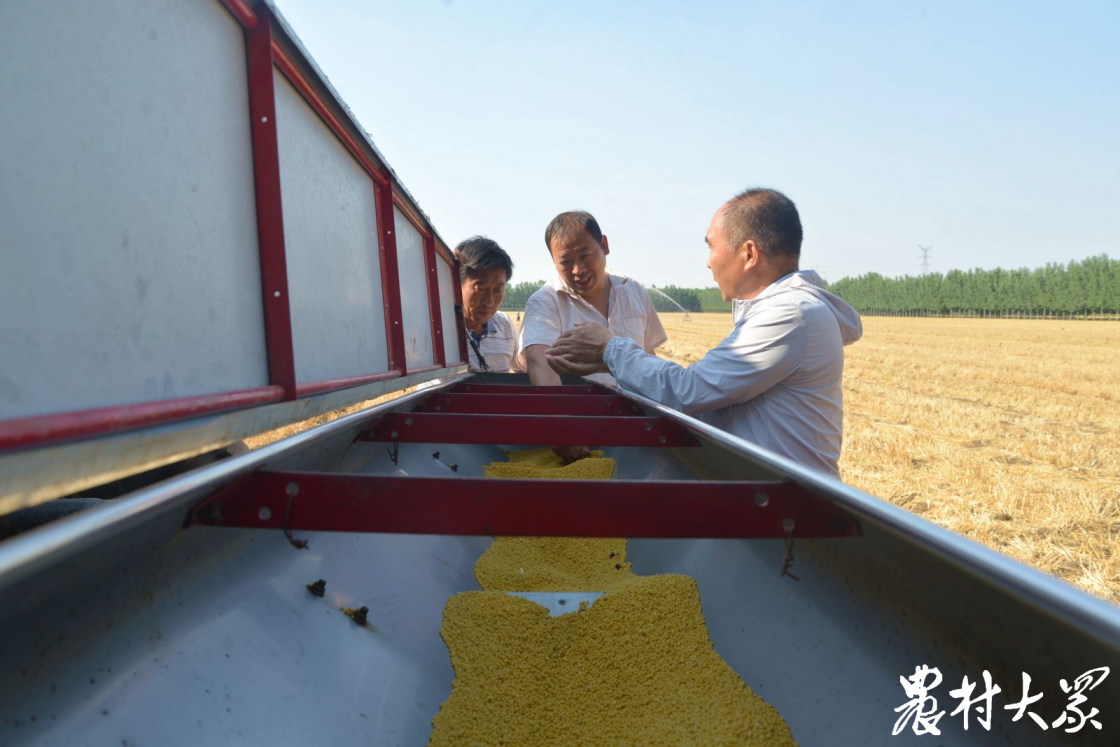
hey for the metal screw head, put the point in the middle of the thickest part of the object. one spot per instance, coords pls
(649, 426)
(408, 421)
(293, 489)
(393, 434)
(787, 524)
(761, 500)
(660, 439)
(265, 513)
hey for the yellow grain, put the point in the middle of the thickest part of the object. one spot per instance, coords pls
(636, 667)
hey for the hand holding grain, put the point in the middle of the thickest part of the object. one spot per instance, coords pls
(580, 350)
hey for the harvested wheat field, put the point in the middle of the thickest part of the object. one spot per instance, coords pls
(1004, 431)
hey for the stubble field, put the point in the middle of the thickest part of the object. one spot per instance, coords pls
(1004, 431)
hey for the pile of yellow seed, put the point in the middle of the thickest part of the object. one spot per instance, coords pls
(636, 667)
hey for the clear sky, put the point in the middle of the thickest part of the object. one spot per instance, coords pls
(990, 130)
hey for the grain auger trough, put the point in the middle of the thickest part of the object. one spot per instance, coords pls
(200, 244)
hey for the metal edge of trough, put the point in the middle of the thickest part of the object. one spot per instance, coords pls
(23, 555)
(1094, 617)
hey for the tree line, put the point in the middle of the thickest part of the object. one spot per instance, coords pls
(691, 299)
(1089, 286)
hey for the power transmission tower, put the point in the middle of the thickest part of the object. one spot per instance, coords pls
(925, 250)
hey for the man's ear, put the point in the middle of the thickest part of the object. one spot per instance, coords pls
(749, 254)
(603, 243)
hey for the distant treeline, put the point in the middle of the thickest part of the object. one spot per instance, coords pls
(692, 299)
(1091, 286)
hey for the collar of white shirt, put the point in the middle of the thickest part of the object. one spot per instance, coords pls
(560, 286)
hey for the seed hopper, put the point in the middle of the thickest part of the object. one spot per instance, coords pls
(200, 244)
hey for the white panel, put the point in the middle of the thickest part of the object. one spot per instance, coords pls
(447, 276)
(129, 265)
(330, 237)
(414, 293)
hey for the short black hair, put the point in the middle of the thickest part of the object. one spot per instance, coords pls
(479, 253)
(767, 217)
(572, 222)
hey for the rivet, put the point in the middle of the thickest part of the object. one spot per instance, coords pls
(264, 119)
(408, 421)
(293, 489)
(393, 434)
(761, 500)
(660, 439)
(787, 524)
(649, 426)
(276, 293)
(265, 513)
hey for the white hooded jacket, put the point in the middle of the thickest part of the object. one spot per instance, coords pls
(774, 381)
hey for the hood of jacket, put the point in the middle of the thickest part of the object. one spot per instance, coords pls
(808, 281)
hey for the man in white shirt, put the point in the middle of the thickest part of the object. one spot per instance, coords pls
(484, 272)
(582, 290)
(776, 379)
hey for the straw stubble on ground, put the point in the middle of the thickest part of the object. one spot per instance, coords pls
(1004, 431)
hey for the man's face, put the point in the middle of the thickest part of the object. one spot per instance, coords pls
(582, 262)
(483, 291)
(726, 265)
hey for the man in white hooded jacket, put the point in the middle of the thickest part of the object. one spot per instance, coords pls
(776, 379)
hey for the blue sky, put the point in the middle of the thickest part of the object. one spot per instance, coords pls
(989, 130)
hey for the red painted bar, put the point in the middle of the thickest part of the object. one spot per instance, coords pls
(330, 502)
(460, 325)
(242, 12)
(413, 217)
(444, 252)
(424, 369)
(295, 77)
(390, 276)
(569, 389)
(40, 429)
(270, 214)
(528, 404)
(527, 430)
(330, 385)
(431, 266)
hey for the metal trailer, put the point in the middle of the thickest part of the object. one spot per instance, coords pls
(200, 243)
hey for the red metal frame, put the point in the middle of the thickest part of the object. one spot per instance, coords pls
(431, 267)
(330, 385)
(311, 501)
(527, 430)
(444, 252)
(528, 404)
(413, 217)
(296, 78)
(390, 277)
(460, 322)
(270, 214)
(37, 429)
(242, 12)
(263, 55)
(567, 389)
